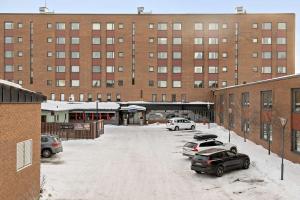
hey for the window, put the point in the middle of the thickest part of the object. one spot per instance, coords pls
(281, 69)
(281, 55)
(212, 84)
(52, 97)
(212, 69)
(75, 55)
(49, 82)
(176, 55)
(255, 25)
(110, 69)
(110, 54)
(198, 26)
(49, 25)
(266, 70)
(9, 40)
(49, 54)
(81, 97)
(75, 40)
(198, 55)
(62, 97)
(224, 83)
(110, 26)
(296, 100)
(150, 83)
(266, 40)
(150, 68)
(224, 69)
(266, 55)
(120, 82)
(224, 55)
(75, 26)
(108, 96)
(60, 69)
(162, 69)
(20, 53)
(198, 40)
(254, 55)
(96, 26)
(110, 40)
(162, 26)
(224, 40)
(162, 55)
(121, 40)
(213, 26)
(176, 84)
(198, 84)
(20, 67)
(9, 54)
(177, 26)
(245, 125)
(266, 99)
(24, 154)
(118, 97)
(96, 83)
(154, 97)
(296, 141)
(60, 26)
(213, 55)
(49, 68)
(60, 83)
(110, 83)
(49, 40)
(96, 54)
(60, 40)
(121, 26)
(266, 26)
(245, 99)
(266, 131)
(96, 69)
(151, 40)
(176, 69)
(151, 26)
(163, 97)
(254, 40)
(162, 40)
(213, 40)
(176, 40)
(8, 25)
(281, 26)
(281, 40)
(198, 69)
(20, 39)
(99, 96)
(9, 68)
(60, 54)
(74, 69)
(75, 83)
(162, 84)
(96, 40)
(120, 69)
(151, 55)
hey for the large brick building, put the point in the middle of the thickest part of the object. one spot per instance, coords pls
(143, 57)
(255, 110)
(20, 141)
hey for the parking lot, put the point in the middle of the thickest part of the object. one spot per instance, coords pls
(146, 162)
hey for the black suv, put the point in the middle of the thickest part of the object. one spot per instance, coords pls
(217, 161)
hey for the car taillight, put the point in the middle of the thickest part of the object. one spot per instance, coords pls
(208, 162)
(55, 144)
(195, 149)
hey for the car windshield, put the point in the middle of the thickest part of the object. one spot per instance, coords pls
(190, 144)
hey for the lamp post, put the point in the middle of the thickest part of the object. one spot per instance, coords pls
(229, 122)
(208, 113)
(97, 114)
(283, 122)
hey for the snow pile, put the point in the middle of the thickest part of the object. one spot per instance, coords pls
(64, 105)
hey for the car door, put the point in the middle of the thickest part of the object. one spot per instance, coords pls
(230, 160)
(185, 124)
(180, 124)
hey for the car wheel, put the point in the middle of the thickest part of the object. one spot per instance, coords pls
(46, 153)
(176, 128)
(246, 164)
(192, 127)
(220, 171)
(233, 149)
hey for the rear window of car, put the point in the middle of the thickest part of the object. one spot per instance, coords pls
(190, 144)
(201, 157)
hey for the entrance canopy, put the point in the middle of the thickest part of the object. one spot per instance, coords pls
(133, 108)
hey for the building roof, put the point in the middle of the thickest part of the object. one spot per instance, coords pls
(66, 106)
(167, 103)
(262, 81)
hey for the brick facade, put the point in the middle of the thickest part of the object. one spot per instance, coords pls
(259, 112)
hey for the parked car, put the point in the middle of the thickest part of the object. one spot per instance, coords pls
(191, 148)
(217, 161)
(50, 144)
(180, 123)
(204, 136)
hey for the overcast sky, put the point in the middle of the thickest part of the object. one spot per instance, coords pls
(159, 6)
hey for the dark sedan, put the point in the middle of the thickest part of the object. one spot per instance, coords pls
(217, 161)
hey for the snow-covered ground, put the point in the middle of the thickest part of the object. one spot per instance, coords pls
(134, 163)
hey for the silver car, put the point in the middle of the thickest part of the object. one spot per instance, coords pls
(50, 144)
